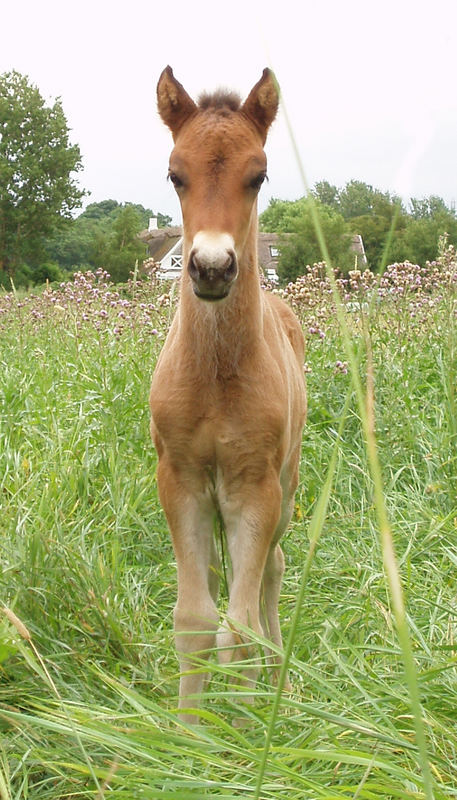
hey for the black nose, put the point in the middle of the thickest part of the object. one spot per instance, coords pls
(211, 271)
(212, 277)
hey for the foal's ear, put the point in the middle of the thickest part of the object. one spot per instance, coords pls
(174, 104)
(262, 103)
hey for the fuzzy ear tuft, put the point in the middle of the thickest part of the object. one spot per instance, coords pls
(174, 104)
(262, 103)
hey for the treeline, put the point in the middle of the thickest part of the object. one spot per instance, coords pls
(104, 235)
(391, 232)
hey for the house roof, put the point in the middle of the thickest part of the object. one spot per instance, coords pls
(265, 242)
(160, 233)
(161, 240)
(158, 248)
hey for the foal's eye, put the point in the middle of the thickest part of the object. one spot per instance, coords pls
(177, 182)
(256, 182)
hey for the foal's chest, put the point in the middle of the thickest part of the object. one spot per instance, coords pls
(218, 426)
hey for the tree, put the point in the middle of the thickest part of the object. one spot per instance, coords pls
(106, 211)
(117, 247)
(95, 237)
(419, 241)
(124, 247)
(299, 244)
(281, 215)
(358, 199)
(374, 230)
(37, 165)
(428, 207)
(380, 228)
(328, 194)
(302, 247)
(389, 231)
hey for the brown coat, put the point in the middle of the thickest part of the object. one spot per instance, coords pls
(228, 397)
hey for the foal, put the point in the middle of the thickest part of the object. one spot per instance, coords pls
(228, 397)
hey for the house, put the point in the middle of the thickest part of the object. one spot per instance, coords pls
(165, 248)
(358, 249)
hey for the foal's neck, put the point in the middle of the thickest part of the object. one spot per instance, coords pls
(221, 337)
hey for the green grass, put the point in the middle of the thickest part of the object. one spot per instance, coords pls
(88, 695)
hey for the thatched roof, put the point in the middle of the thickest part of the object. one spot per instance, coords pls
(161, 240)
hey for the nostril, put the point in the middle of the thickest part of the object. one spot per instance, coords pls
(212, 267)
(193, 268)
(230, 271)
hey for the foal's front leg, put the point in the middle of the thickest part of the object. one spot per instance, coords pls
(190, 519)
(251, 521)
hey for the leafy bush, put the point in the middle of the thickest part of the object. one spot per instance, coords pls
(49, 271)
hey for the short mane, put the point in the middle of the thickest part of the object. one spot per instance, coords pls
(219, 100)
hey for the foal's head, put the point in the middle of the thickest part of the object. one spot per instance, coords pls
(217, 167)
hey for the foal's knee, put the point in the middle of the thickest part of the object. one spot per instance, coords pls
(233, 640)
(195, 628)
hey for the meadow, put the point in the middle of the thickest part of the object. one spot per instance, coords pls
(88, 672)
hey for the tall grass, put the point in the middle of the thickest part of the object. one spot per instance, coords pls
(365, 394)
(88, 675)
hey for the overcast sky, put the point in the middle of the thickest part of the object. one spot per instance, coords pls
(370, 87)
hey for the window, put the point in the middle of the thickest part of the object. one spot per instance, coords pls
(176, 262)
(274, 251)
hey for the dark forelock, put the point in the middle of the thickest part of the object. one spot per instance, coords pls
(219, 101)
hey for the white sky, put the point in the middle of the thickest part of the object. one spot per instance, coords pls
(370, 87)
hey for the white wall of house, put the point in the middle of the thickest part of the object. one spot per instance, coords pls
(171, 263)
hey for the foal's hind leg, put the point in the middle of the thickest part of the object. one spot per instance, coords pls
(214, 570)
(269, 600)
(274, 569)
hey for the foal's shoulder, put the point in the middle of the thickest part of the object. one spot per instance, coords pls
(288, 321)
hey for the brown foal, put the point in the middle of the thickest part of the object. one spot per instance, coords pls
(228, 399)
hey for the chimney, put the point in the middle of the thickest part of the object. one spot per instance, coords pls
(152, 224)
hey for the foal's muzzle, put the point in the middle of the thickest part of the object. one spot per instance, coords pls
(212, 265)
